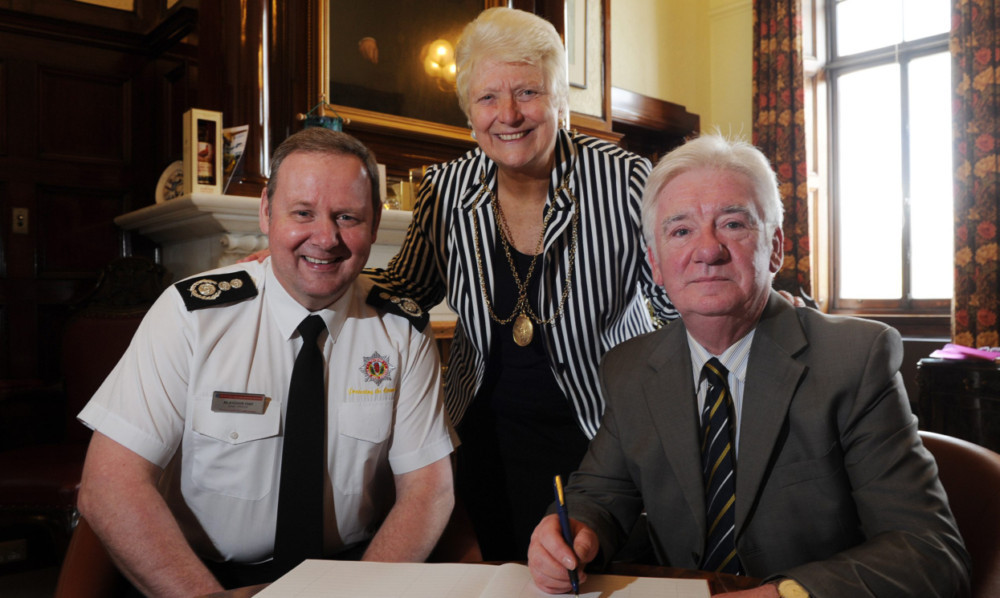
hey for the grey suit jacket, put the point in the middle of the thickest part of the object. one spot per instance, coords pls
(833, 487)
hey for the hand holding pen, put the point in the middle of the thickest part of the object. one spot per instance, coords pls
(551, 554)
(566, 532)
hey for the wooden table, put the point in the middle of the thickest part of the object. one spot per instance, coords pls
(718, 583)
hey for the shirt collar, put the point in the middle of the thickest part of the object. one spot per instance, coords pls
(289, 313)
(735, 358)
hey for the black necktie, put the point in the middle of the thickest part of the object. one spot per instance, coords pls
(718, 465)
(299, 531)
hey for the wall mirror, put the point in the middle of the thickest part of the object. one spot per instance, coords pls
(386, 65)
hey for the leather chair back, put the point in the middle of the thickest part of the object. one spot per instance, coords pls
(970, 475)
(97, 335)
(39, 480)
(87, 571)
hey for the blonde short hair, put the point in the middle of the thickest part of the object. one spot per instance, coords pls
(716, 152)
(516, 36)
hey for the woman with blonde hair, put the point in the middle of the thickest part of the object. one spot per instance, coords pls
(534, 239)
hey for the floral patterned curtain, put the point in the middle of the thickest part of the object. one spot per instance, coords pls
(975, 51)
(779, 127)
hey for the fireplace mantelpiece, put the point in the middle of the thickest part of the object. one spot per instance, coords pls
(199, 232)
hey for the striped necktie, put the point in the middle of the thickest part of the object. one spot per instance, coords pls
(718, 461)
(299, 529)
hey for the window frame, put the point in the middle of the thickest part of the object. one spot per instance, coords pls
(925, 317)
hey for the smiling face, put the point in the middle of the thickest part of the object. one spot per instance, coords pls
(513, 117)
(320, 225)
(712, 254)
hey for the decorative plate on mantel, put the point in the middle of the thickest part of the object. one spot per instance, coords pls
(171, 183)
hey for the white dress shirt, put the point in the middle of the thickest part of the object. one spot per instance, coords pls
(385, 416)
(735, 359)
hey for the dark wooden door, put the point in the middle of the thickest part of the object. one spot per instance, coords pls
(87, 96)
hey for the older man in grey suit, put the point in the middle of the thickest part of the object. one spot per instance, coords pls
(758, 437)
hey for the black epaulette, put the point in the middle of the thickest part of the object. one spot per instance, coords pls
(210, 290)
(387, 301)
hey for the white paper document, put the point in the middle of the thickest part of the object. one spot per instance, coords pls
(354, 579)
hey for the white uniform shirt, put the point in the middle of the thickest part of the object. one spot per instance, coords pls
(222, 469)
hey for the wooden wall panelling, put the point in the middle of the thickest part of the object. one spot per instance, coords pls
(6, 220)
(97, 131)
(650, 127)
(552, 10)
(4, 346)
(5, 204)
(4, 113)
(401, 152)
(90, 158)
(161, 93)
(72, 218)
(18, 172)
(70, 13)
(5, 227)
(84, 140)
(234, 77)
(291, 66)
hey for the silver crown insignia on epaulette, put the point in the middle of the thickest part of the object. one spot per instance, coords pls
(405, 303)
(207, 290)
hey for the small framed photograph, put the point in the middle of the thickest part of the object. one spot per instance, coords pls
(234, 141)
(203, 151)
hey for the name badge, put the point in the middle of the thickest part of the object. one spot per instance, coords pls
(238, 402)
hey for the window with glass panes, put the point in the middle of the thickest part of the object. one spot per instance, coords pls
(891, 160)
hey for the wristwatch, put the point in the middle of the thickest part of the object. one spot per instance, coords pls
(789, 588)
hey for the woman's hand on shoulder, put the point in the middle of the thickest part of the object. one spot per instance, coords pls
(257, 256)
(796, 301)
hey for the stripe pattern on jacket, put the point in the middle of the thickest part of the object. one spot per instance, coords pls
(611, 278)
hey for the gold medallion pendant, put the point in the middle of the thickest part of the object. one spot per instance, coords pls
(524, 327)
(524, 330)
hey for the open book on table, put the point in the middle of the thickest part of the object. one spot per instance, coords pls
(353, 579)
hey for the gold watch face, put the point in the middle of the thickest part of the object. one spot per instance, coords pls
(790, 588)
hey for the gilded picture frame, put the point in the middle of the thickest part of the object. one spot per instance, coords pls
(376, 58)
(576, 42)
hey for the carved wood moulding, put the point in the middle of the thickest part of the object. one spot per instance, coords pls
(649, 126)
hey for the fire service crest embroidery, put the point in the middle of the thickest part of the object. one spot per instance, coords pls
(377, 369)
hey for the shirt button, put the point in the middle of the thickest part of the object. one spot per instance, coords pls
(234, 435)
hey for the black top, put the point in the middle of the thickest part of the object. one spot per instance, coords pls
(519, 432)
(611, 277)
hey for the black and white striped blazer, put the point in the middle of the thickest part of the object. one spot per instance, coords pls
(606, 303)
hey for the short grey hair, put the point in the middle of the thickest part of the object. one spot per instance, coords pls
(514, 36)
(320, 140)
(713, 151)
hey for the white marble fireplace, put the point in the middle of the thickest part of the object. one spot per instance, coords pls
(199, 232)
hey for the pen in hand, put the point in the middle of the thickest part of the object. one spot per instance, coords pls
(567, 534)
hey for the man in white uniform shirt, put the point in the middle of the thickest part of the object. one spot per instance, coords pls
(181, 479)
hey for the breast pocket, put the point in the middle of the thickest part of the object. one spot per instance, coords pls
(363, 430)
(234, 454)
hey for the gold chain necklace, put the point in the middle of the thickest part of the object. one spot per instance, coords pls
(524, 330)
